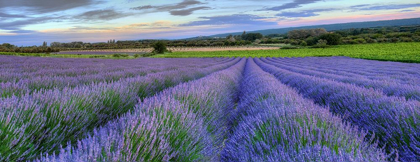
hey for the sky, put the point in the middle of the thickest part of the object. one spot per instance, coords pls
(30, 22)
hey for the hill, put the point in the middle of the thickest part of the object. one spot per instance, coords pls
(331, 27)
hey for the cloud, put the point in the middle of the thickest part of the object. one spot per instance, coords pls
(143, 7)
(178, 9)
(101, 15)
(16, 25)
(305, 13)
(242, 19)
(294, 4)
(5, 15)
(385, 7)
(43, 6)
(162, 24)
(297, 14)
(187, 11)
(407, 10)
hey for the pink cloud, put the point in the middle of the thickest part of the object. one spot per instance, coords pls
(348, 19)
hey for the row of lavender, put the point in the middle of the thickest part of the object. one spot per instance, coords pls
(26, 75)
(274, 123)
(184, 123)
(401, 84)
(393, 118)
(17, 68)
(368, 68)
(42, 121)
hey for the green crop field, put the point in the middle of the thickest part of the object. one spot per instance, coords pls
(401, 52)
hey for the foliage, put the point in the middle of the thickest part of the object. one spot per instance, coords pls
(6, 47)
(321, 44)
(117, 56)
(289, 47)
(331, 38)
(251, 36)
(392, 34)
(159, 47)
(305, 33)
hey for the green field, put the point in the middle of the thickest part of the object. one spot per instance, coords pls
(401, 52)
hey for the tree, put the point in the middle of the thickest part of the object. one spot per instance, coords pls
(321, 44)
(311, 41)
(55, 44)
(231, 38)
(305, 33)
(303, 43)
(7, 45)
(44, 44)
(159, 47)
(417, 32)
(331, 38)
(49, 50)
(252, 36)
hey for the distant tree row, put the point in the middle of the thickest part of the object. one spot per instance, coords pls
(112, 44)
(318, 37)
(6, 47)
(305, 33)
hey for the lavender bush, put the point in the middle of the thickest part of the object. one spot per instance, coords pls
(390, 87)
(394, 121)
(375, 70)
(274, 123)
(34, 74)
(43, 120)
(184, 123)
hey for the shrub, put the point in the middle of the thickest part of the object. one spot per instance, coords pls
(321, 44)
(370, 40)
(394, 40)
(381, 40)
(294, 42)
(311, 41)
(359, 41)
(406, 39)
(303, 43)
(159, 47)
(331, 38)
(289, 47)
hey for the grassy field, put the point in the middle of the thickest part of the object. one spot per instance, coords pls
(401, 52)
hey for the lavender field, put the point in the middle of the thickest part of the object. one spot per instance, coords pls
(208, 109)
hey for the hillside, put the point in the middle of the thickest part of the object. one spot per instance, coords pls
(330, 27)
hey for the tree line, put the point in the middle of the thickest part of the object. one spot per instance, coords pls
(6, 47)
(323, 38)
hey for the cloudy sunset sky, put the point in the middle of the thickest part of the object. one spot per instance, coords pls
(30, 22)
